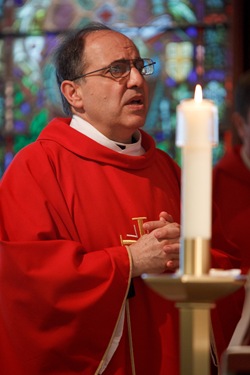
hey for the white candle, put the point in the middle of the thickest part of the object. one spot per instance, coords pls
(196, 133)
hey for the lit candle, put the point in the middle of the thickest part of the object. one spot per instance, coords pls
(196, 133)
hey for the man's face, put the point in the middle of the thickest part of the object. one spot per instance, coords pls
(243, 128)
(115, 106)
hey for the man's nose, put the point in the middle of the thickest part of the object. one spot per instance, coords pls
(135, 77)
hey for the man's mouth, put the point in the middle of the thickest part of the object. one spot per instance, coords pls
(136, 101)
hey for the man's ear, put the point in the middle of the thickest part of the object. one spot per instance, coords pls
(72, 93)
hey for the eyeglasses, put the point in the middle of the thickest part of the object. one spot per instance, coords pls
(122, 68)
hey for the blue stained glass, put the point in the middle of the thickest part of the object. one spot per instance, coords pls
(170, 82)
(192, 32)
(216, 92)
(25, 108)
(158, 46)
(19, 3)
(1, 8)
(214, 56)
(193, 77)
(19, 126)
(165, 114)
(219, 4)
(8, 159)
(218, 75)
(40, 99)
(158, 7)
(159, 137)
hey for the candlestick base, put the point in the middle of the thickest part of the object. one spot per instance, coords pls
(190, 288)
(195, 297)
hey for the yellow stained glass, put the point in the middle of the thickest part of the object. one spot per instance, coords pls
(179, 58)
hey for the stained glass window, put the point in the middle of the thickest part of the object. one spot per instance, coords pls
(188, 39)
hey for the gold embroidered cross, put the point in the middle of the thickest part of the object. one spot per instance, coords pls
(139, 221)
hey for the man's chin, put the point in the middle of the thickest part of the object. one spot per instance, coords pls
(137, 122)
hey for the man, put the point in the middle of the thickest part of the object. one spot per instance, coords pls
(231, 179)
(85, 211)
(231, 184)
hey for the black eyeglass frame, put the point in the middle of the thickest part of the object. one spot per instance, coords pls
(149, 62)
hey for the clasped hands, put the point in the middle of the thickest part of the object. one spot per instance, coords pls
(157, 250)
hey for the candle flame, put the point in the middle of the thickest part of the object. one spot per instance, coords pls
(198, 94)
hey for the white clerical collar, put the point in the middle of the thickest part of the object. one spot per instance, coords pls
(84, 127)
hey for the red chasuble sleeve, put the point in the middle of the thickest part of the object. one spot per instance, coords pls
(231, 195)
(225, 255)
(231, 192)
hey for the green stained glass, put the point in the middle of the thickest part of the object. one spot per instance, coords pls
(182, 11)
(38, 122)
(18, 98)
(22, 140)
(86, 4)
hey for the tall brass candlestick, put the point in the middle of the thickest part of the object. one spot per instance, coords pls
(197, 132)
(193, 288)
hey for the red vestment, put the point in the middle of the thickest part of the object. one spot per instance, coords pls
(67, 203)
(231, 192)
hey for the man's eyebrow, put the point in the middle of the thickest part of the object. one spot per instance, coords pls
(119, 60)
(125, 60)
